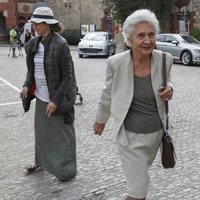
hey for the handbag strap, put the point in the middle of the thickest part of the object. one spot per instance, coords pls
(164, 73)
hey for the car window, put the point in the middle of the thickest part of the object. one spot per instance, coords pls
(170, 38)
(95, 36)
(190, 39)
(160, 38)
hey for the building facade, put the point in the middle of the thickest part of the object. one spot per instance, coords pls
(73, 13)
(15, 12)
(185, 16)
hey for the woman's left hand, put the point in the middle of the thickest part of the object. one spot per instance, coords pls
(51, 107)
(98, 128)
(166, 93)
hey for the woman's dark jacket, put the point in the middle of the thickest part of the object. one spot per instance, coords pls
(58, 69)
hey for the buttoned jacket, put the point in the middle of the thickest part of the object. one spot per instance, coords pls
(118, 90)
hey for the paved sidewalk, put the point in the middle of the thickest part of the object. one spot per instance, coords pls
(100, 176)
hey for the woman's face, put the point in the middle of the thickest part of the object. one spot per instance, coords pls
(42, 29)
(143, 38)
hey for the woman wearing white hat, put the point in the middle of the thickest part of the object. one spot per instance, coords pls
(51, 79)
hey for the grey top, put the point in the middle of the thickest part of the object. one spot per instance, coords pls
(143, 116)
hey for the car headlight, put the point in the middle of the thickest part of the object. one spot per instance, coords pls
(103, 46)
(197, 50)
(80, 46)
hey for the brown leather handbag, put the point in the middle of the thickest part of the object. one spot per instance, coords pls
(168, 155)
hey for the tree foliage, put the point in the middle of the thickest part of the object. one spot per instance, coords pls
(123, 8)
(196, 33)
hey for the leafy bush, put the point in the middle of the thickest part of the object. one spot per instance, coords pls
(72, 36)
(196, 33)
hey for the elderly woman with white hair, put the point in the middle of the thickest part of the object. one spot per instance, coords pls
(135, 97)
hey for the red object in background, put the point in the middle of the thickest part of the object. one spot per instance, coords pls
(116, 28)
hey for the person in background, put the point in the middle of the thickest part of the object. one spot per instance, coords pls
(51, 78)
(139, 117)
(27, 36)
(107, 23)
(13, 40)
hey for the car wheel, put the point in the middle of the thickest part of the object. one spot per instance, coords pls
(186, 58)
(80, 56)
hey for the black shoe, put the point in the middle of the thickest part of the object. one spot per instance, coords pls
(31, 169)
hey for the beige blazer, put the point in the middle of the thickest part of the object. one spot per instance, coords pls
(118, 91)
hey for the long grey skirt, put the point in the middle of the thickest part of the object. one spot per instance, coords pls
(55, 144)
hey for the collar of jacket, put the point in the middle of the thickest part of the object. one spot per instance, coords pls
(46, 40)
(33, 45)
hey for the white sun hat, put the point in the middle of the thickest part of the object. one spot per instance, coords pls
(43, 14)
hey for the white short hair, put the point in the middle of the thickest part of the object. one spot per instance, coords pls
(141, 15)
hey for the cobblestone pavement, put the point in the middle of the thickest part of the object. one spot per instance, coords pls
(100, 176)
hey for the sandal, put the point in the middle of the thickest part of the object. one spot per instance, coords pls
(31, 169)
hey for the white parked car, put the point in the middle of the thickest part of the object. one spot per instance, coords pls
(182, 47)
(97, 44)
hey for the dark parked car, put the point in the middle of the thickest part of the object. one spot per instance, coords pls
(97, 44)
(182, 47)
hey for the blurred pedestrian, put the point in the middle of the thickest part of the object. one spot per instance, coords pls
(13, 40)
(27, 36)
(134, 96)
(51, 73)
(107, 23)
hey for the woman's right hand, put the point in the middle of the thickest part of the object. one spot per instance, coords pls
(24, 92)
(98, 128)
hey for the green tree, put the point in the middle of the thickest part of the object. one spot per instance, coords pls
(122, 8)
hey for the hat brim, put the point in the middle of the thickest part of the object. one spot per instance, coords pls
(48, 21)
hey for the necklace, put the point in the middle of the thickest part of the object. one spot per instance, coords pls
(139, 66)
